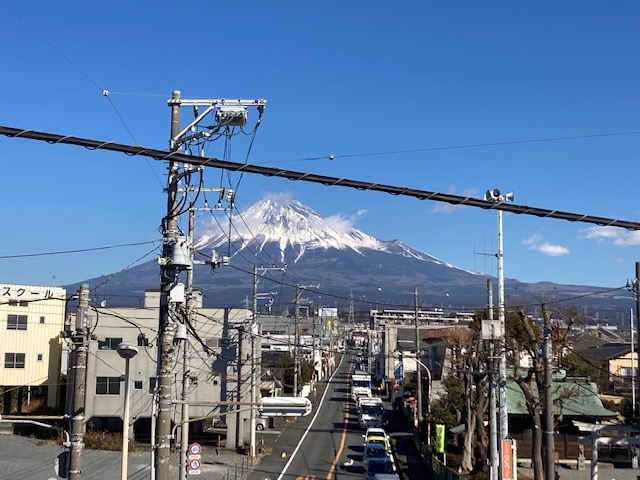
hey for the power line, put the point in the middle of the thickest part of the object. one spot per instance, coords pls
(80, 250)
(321, 179)
(459, 147)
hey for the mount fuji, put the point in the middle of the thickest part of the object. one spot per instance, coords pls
(294, 246)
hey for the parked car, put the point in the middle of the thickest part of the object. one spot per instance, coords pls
(374, 451)
(261, 423)
(377, 466)
(386, 476)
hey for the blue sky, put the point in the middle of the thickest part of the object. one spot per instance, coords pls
(343, 79)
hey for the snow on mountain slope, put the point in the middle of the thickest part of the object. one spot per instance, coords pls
(293, 226)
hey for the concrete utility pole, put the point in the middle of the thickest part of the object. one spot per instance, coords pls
(549, 445)
(494, 459)
(175, 252)
(296, 335)
(351, 317)
(296, 362)
(169, 274)
(637, 296)
(255, 365)
(418, 363)
(254, 320)
(498, 198)
(504, 414)
(186, 369)
(80, 339)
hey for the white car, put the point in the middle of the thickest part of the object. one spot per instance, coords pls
(261, 423)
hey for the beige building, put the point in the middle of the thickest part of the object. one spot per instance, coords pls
(31, 319)
(217, 338)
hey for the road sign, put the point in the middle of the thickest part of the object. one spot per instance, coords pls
(284, 407)
(195, 449)
(194, 466)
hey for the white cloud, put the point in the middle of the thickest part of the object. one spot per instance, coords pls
(617, 236)
(628, 239)
(600, 234)
(552, 250)
(447, 208)
(534, 242)
(341, 223)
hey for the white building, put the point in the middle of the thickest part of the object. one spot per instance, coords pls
(222, 336)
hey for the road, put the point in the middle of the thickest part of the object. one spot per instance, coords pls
(328, 444)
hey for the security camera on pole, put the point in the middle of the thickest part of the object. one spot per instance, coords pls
(496, 197)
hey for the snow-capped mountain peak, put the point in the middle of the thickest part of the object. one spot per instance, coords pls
(289, 223)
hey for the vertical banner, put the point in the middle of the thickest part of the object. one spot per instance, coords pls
(506, 459)
(398, 372)
(439, 438)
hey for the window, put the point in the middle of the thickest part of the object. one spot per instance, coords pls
(20, 303)
(153, 381)
(40, 357)
(42, 319)
(14, 360)
(137, 385)
(109, 343)
(627, 371)
(16, 322)
(107, 385)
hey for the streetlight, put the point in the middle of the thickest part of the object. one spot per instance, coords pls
(127, 352)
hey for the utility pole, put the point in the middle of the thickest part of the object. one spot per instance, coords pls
(496, 197)
(169, 275)
(255, 366)
(254, 320)
(418, 367)
(633, 369)
(296, 334)
(504, 416)
(637, 297)
(350, 318)
(241, 331)
(186, 370)
(494, 459)
(80, 339)
(175, 249)
(296, 360)
(549, 445)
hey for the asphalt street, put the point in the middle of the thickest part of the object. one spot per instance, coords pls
(341, 461)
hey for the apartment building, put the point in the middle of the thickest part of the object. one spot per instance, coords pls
(31, 319)
(220, 357)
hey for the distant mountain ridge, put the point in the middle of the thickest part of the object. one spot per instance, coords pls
(343, 261)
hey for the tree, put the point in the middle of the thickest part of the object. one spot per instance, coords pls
(287, 364)
(467, 352)
(524, 338)
(576, 365)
